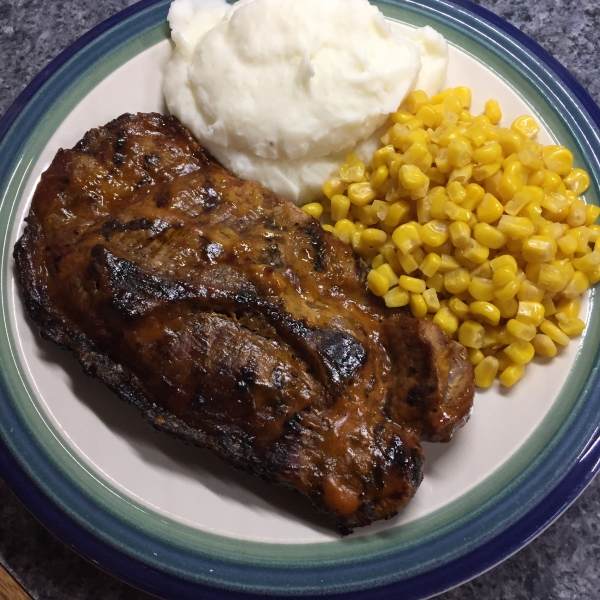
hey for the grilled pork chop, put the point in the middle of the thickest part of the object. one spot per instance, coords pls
(232, 320)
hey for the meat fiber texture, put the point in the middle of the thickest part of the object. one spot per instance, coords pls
(232, 320)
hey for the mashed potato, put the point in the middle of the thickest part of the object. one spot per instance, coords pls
(280, 90)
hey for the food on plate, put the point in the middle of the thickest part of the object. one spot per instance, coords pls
(279, 90)
(472, 225)
(232, 320)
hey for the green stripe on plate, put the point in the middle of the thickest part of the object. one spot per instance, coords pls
(393, 540)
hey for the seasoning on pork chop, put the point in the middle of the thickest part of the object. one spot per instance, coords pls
(232, 320)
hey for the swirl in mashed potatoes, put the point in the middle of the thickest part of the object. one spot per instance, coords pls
(279, 90)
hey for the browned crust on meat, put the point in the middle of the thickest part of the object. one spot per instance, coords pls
(232, 320)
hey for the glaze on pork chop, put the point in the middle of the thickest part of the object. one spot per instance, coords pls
(232, 320)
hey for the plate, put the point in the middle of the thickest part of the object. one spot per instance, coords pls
(172, 519)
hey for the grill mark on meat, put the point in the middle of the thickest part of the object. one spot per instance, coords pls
(315, 235)
(280, 362)
(271, 255)
(154, 226)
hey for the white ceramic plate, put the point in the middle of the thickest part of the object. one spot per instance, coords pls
(151, 502)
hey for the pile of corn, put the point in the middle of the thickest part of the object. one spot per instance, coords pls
(475, 226)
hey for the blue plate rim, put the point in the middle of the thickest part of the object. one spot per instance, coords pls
(424, 585)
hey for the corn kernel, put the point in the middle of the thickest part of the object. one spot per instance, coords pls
(408, 262)
(593, 276)
(457, 213)
(406, 237)
(475, 252)
(353, 170)
(344, 229)
(572, 326)
(386, 269)
(486, 311)
(529, 291)
(508, 290)
(515, 228)
(558, 159)
(396, 213)
(522, 331)
(577, 181)
(436, 282)
(504, 260)
(446, 320)
(471, 334)
(361, 193)
(492, 111)
(377, 282)
(449, 263)
(340, 205)
(543, 345)
(475, 356)
(511, 181)
(459, 254)
(379, 176)
(377, 261)
(460, 234)
(464, 94)
(530, 313)
(411, 177)
(396, 297)
(530, 159)
(430, 264)
(589, 262)
(549, 308)
(489, 236)
(482, 289)
(460, 152)
(592, 212)
(412, 284)
(434, 233)
(314, 209)
(567, 244)
(485, 372)
(488, 153)
(538, 249)
(526, 126)
(415, 100)
(382, 156)
(402, 117)
(577, 213)
(373, 237)
(429, 116)
(508, 309)
(333, 187)
(431, 300)
(476, 134)
(457, 281)
(511, 375)
(576, 286)
(367, 215)
(554, 333)
(569, 307)
(502, 276)
(489, 209)
(486, 171)
(418, 306)
(520, 351)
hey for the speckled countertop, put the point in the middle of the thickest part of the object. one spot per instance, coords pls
(561, 564)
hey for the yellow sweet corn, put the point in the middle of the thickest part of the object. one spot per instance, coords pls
(476, 227)
(485, 372)
(396, 297)
(511, 374)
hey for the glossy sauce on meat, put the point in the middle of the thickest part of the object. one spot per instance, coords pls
(234, 321)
